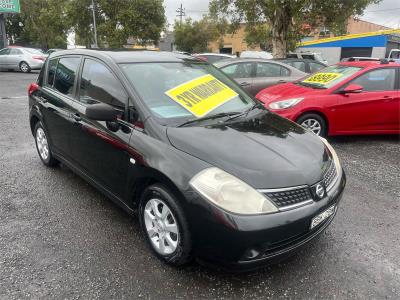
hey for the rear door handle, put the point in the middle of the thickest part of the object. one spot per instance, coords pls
(244, 84)
(282, 81)
(77, 117)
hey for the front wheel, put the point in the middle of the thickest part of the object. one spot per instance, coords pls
(315, 123)
(164, 225)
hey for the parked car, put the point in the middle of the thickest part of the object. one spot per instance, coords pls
(48, 52)
(305, 65)
(212, 173)
(212, 57)
(253, 75)
(256, 54)
(308, 55)
(360, 97)
(23, 59)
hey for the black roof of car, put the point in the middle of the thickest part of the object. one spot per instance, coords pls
(129, 56)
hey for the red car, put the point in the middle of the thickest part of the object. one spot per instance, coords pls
(360, 97)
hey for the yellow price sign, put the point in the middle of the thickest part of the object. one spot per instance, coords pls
(201, 95)
(323, 78)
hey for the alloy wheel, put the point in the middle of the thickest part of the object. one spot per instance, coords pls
(24, 67)
(313, 125)
(42, 144)
(161, 226)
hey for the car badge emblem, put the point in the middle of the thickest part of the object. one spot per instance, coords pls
(319, 191)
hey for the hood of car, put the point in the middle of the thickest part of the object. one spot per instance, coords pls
(286, 91)
(264, 150)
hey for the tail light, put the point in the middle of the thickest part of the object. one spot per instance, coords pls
(32, 88)
(38, 57)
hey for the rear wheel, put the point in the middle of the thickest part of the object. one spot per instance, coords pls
(24, 67)
(164, 225)
(315, 123)
(43, 146)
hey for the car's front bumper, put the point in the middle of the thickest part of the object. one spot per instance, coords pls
(227, 239)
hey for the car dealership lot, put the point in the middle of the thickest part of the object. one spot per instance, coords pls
(60, 238)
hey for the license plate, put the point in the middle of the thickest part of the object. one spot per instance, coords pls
(322, 216)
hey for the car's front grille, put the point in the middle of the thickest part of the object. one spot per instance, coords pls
(289, 197)
(330, 175)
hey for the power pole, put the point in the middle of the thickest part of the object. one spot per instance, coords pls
(94, 25)
(3, 35)
(181, 13)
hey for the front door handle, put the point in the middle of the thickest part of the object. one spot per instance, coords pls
(244, 84)
(77, 117)
(282, 81)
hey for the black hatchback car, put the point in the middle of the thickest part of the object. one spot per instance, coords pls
(211, 173)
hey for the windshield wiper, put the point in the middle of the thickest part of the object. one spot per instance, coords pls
(211, 117)
(246, 112)
(311, 85)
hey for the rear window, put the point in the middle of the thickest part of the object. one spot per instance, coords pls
(34, 51)
(329, 76)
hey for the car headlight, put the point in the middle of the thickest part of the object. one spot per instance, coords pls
(334, 156)
(230, 193)
(285, 103)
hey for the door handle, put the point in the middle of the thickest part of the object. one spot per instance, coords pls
(77, 117)
(244, 84)
(282, 81)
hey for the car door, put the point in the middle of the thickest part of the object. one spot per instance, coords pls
(268, 74)
(242, 73)
(375, 108)
(4, 53)
(97, 147)
(14, 58)
(55, 100)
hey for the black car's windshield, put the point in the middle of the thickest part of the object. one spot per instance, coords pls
(328, 77)
(177, 92)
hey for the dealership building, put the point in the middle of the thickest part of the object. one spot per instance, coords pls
(371, 44)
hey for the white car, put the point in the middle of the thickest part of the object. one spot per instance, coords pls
(256, 54)
(22, 59)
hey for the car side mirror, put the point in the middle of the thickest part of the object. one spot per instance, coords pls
(352, 89)
(102, 112)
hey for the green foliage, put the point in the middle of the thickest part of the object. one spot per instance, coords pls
(142, 20)
(194, 36)
(285, 18)
(41, 24)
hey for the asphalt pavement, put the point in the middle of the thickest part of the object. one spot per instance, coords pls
(60, 238)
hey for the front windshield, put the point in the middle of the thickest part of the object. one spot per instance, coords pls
(181, 91)
(329, 76)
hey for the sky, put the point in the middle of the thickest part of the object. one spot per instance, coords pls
(386, 13)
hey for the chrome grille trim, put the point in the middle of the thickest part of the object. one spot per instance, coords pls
(330, 176)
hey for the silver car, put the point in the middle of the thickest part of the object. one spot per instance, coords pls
(256, 74)
(23, 59)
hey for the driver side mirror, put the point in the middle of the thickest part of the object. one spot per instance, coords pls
(352, 89)
(102, 112)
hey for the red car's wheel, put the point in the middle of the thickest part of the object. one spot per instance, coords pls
(315, 123)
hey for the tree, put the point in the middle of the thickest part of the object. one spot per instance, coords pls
(142, 20)
(194, 36)
(286, 18)
(41, 23)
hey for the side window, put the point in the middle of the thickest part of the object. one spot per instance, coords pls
(15, 52)
(5, 51)
(98, 84)
(240, 70)
(65, 75)
(300, 65)
(271, 70)
(314, 67)
(51, 71)
(377, 80)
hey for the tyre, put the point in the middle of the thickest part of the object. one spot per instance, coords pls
(315, 123)
(164, 225)
(24, 67)
(43, 146)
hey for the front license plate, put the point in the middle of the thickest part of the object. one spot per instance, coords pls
(322, 216)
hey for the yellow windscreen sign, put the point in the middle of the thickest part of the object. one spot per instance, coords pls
(201, 95)
(323, 78)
